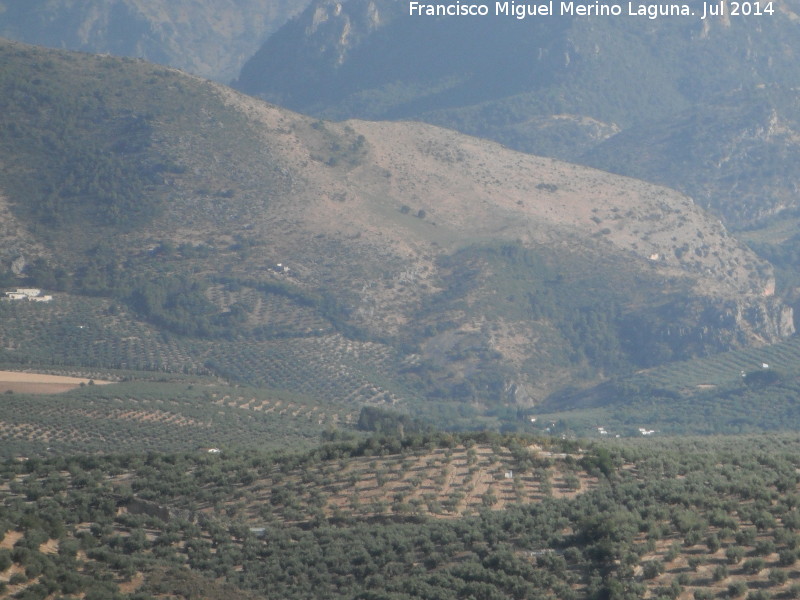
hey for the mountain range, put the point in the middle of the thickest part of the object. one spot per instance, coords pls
(448, 268)
(210, 39)
(711, 99)
(226, 282)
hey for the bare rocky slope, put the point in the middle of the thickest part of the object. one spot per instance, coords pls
(493, 276)
(705, 106)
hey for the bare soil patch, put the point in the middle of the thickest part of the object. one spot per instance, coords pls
(11, 538)
(128, 587)
(40, 383)
(49, 547)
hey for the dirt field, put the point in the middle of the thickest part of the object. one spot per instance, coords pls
(38, 383)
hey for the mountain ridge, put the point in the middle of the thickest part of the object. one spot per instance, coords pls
(732, 155)
(558, 86)
(473, 273)
(210, 39)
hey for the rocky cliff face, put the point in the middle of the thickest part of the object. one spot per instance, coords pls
(700, 96)
(734, 154)
(769, 320)
(705, 326)
(376, 60)
(207, 38)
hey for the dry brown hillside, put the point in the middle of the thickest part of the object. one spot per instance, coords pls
(481, 273)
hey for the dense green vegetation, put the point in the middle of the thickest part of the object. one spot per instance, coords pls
(591, 309)
(83, 162)
(734, 392)
(541, 285)
(709, 517)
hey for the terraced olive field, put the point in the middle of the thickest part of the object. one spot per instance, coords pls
(85, 332)
(723, 369)
(306, 384)
(741, 391)
(679, 519)
(444, 482)
(324, 367)
(96, 332)
(177, 413)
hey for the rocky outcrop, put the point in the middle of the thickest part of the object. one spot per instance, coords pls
(214, 41)
(761, 319)
(702, 326)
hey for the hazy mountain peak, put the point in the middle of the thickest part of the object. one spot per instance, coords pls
(211, 39)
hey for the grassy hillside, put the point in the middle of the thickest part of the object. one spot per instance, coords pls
(705, 106)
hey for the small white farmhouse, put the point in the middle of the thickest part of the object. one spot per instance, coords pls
(32, 294)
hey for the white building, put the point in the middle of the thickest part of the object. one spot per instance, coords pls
(32, 294)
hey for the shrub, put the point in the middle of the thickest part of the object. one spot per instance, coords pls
(673, 552)
(652, 569)
(736, 589)
(787, 557)
(753, 565)
(778, 576)
(764, 547)
(5, 559)
(746, 537)
(18, 578)
(720, 572)
(692, 538)
(734, 554)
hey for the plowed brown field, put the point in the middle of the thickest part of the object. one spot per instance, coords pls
(39, 383)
